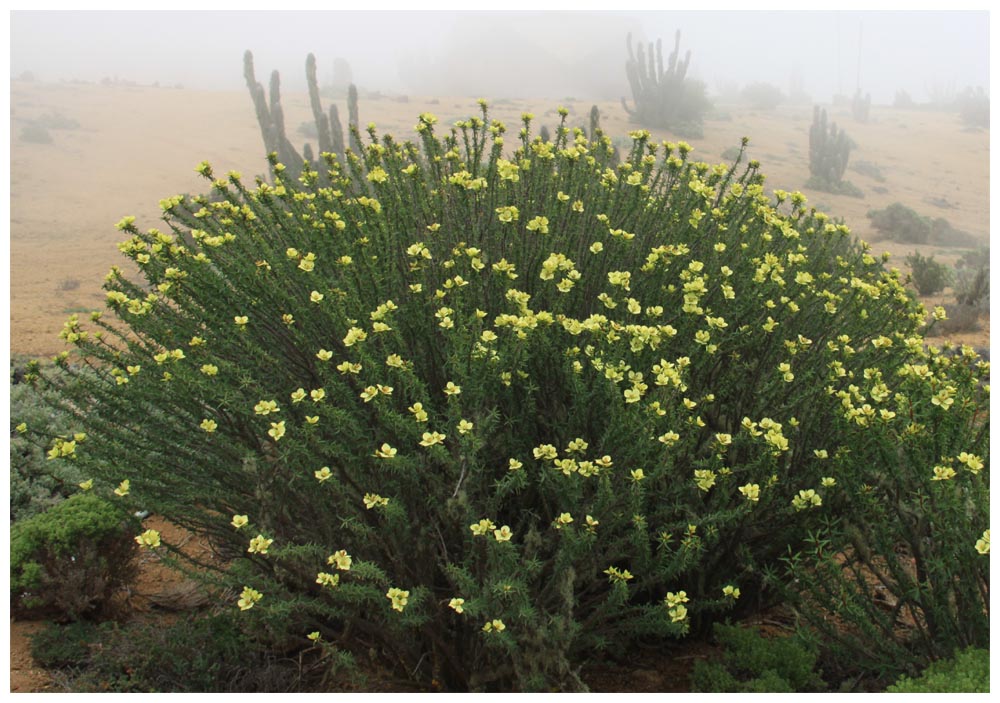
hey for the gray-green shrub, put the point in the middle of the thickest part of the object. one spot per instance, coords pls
(73, 560)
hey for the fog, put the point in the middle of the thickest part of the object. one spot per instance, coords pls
(505, 54)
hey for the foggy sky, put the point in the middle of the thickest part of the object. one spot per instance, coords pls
(500, 54)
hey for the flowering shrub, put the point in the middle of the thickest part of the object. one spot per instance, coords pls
(486, 411)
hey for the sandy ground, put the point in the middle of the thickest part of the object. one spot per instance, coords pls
(136, 145)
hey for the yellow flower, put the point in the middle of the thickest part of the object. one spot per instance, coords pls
(316, 296)
(248, 598)
(373, 500)
(538, 224)
(807, 499)
(677, 614)
(675, 599)
(317, 395)
(277, 430)
(751, 491)
(514, 465)
(730, 592)
(456, 604)
(669, 438)
(621, 575)
(87, 485)
(482, 527)
(503, 534)
(209, 369)
(638, 475)
(563, 520)
(429, 439)
(241, 320)
(451, 389)
(419, 414)
(943, 473)
(323, 474)
(341, 559)
(398, 598)
(494, 626)
(385, 451)
(704, 478)
(354, 335)
(464, 426)
(266, 407)
(828, 482)
(314, 636)
(239, 521)
(821, 453)
(312, 419)
(123, 489)
(149, 539)
(973, 462)
(324, 355)
(395, 361)
(983, 543)
(259, 545)
(299, 395)
(209, 425)
(545, 452)
(325, 579)
(369, 393)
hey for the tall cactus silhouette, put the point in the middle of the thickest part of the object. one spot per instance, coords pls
(663, 97)
(829, 151)
(271, 118)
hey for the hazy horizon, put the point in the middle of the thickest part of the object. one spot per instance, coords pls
(506, 54)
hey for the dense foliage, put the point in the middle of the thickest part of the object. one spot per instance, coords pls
(73, 560)
(488, 411)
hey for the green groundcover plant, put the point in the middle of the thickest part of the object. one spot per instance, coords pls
(487, 408)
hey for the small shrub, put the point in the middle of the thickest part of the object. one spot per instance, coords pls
(974, 107)
(929, 276)
(867, 168)
(62, 646)
(754, 664)
(762, 96)
(968, 671)
(960, 318)
(901, 224)
(36, 134)
(73, 560)
(972, 279)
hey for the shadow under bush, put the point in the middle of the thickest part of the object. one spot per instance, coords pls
(487, 412)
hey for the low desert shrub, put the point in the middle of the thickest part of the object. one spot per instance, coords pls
(762, 96)
(490, 408)
(752, 663)
(901, 224)
(73, 560)
(929, 276)
(968, 671)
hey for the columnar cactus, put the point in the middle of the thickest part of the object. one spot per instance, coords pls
(271, 118)
(829, 149)
(663, 98)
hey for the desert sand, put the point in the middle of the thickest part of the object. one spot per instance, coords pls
(133, 146)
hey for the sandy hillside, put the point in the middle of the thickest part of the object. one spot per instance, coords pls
(132, 146)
